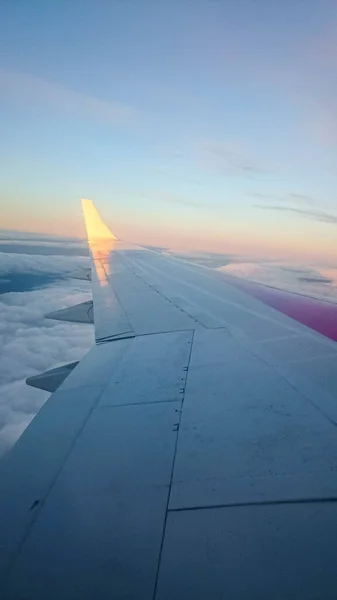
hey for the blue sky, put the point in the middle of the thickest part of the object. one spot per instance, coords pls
(191, 123)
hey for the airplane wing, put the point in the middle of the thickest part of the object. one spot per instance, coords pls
(191, 454)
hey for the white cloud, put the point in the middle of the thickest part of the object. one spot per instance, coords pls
(228, 159)
(29, 343)
(27, 263)
(310, 281)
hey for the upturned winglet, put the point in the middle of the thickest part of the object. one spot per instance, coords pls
(96, 228)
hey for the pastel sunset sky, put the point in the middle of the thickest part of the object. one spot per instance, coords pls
(194, 124)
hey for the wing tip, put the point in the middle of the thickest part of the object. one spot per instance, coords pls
(86, 202)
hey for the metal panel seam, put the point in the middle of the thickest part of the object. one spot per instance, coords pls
(245, 309)
(152, 287)
(321, 500)
(137, 403)
(172, 471)
(139, 335)
(284, 371)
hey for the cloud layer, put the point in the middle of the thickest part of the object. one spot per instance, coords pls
(30, 343)
(294, 197)
(320, 283)
(228, 159)
(314, 215)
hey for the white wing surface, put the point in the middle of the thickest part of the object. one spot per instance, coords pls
(191, 454)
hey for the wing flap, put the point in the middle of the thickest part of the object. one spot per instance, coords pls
(79, 313)
(52, 379)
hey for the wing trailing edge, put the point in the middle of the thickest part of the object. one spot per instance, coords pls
(79, 313)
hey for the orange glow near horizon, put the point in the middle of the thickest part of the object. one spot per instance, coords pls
(312, 243)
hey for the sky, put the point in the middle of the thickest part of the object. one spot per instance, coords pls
(193, 124)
